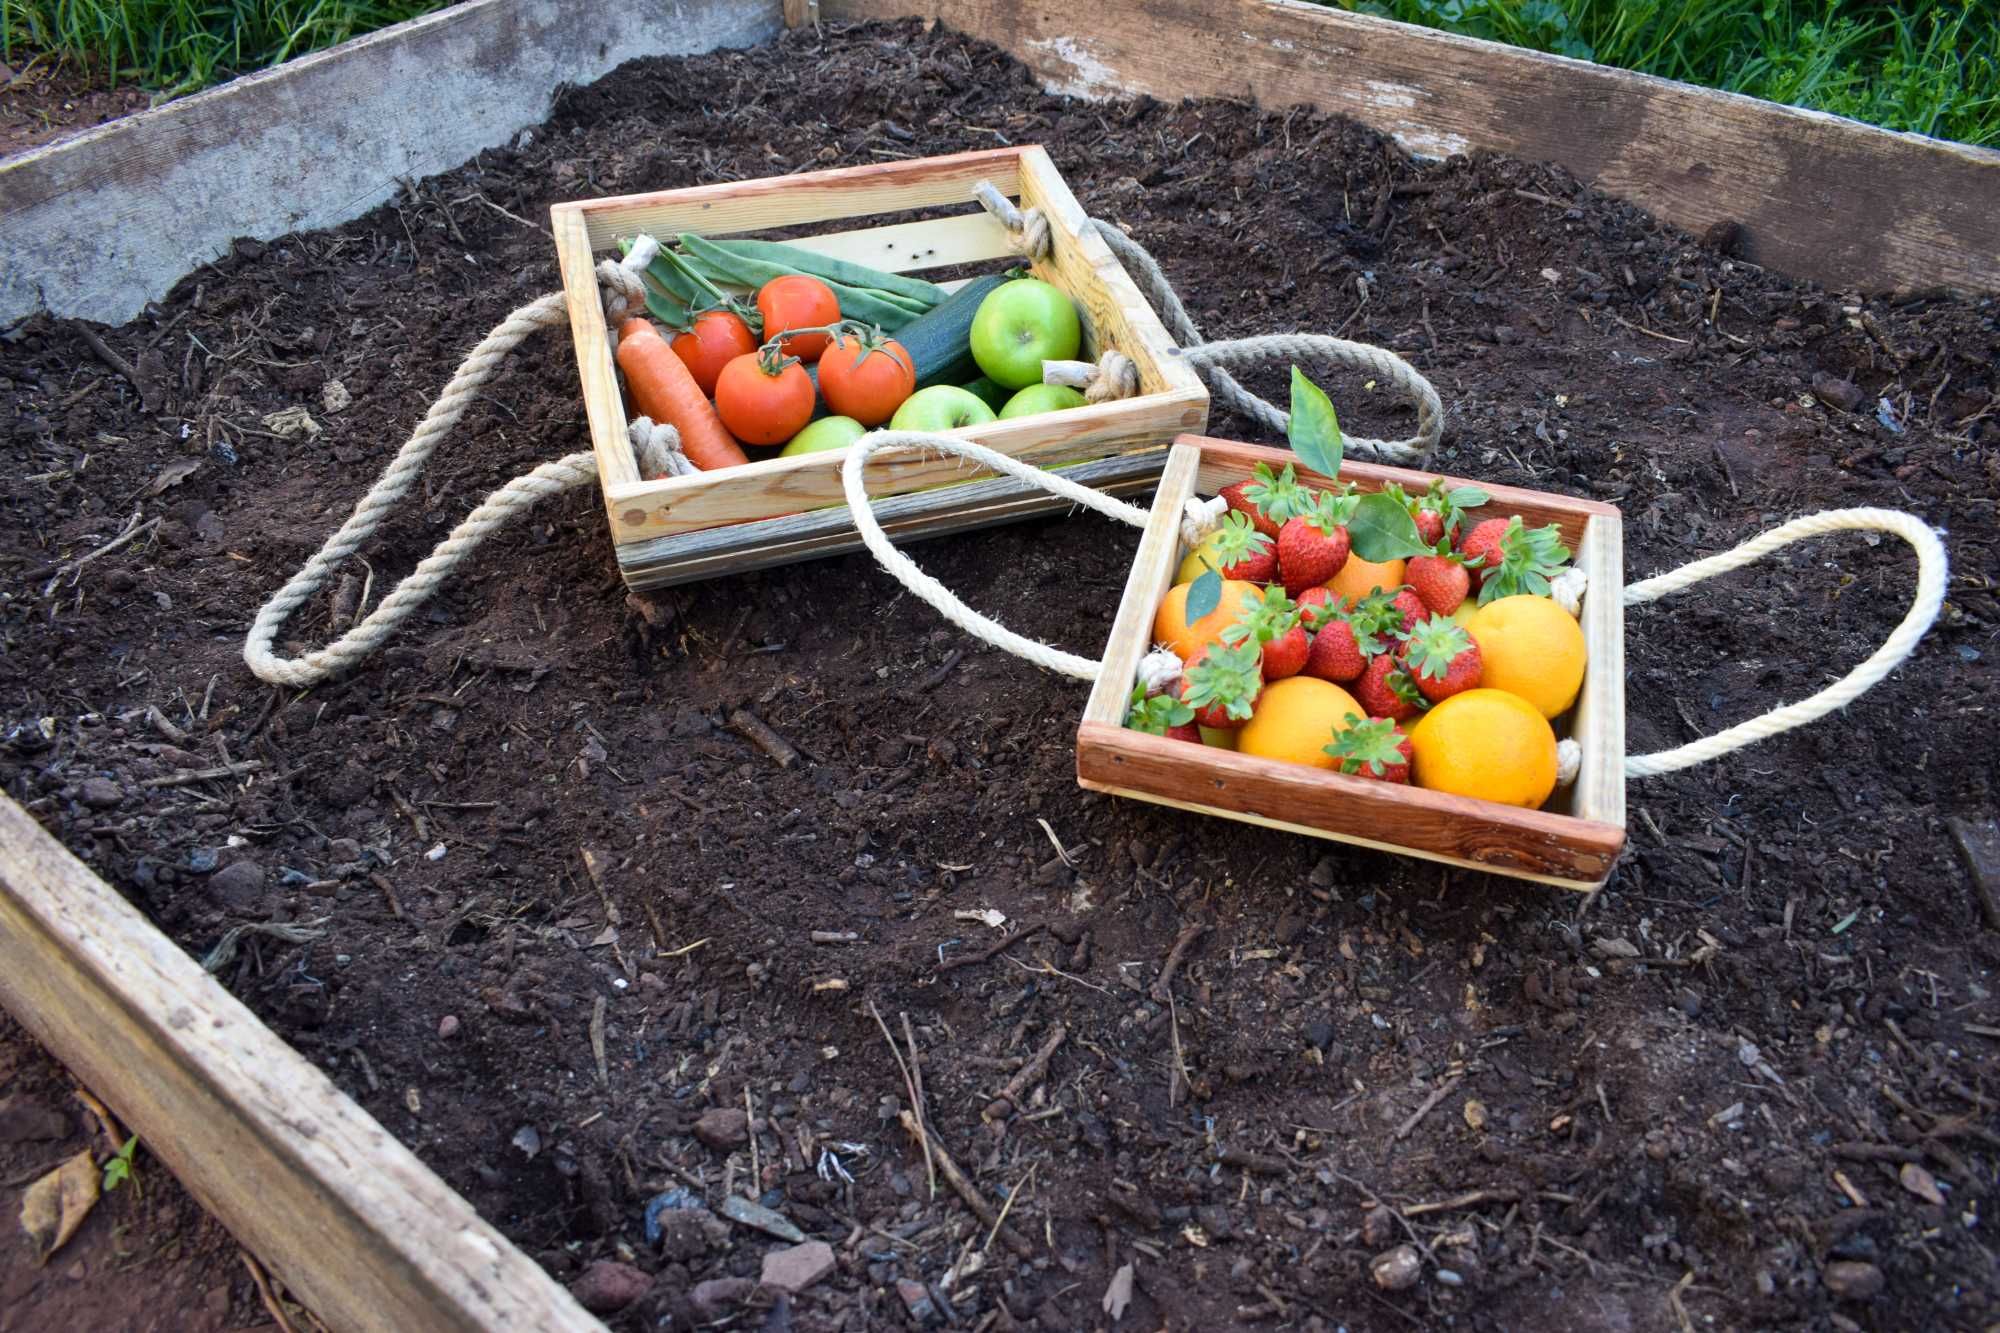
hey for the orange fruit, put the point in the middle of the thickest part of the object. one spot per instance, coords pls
(1170, 624)
(1295, 719)
(1486, 744)
(1531, 647)
(1357, 578)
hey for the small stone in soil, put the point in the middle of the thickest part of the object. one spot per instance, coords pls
(607, 1286)
(448, 1026)
(916, 1300)
(1397, 1269)
(238, 884)
(717, 1296)
(794, 1269)
(100, 793)
(723, 1128)
(739, 1209)
(528, 1139)
(1854, 1281)
(1320, 1033)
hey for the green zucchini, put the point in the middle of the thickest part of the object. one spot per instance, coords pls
(940, 343)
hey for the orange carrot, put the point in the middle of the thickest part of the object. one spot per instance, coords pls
(662, 389)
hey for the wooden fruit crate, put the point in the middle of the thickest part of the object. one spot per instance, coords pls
(677, 529)
(1573, 842)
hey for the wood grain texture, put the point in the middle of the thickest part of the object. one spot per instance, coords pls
(1598, 720)
(97, 225)
(689, 557)
(1479, 835)
(604, 405)
(1152, 573)
(911, 247)
(361, 1230)
(1819, 196)
(730, 207)
(1573, 843)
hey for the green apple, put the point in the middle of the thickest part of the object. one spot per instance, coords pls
(1020, 325)
(826, 433)
(940, 407)
(1039, 398)
(990, 393)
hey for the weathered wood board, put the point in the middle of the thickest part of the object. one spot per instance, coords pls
(98, 225)
(366, 1235)
(1823, 197)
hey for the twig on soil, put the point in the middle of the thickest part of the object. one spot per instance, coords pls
(1439, 1093)
(753, 729)
(993, 951)
(1245, 1160)
(597, 1042)
(1048, 969)
(264, 1293)
(167, 729)
(596, 873)
(944, 669)
(835, 937)
(1875, 1152)
(125, 538)
(1173, 963)
(916, 1065)
(916, 1099)
(1177, 1077)
(381, 881)
(1030, 1074)
(118, 363)
(105, 1120)
(1674, 1299)
(1471, 1199)
(687, 948)
(962, 1185)
(750, 1120)
(1008, 1206)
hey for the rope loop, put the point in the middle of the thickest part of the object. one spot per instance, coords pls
(1113, 376)
(658, 448)
(624, 290)
(1932, 573)
(853, 479)
(1028, 229)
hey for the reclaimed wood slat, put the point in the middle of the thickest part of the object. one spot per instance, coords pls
(366, 1235)
(1820, 196)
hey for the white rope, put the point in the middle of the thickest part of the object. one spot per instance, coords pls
(1113, 375)
(1200, 517)
(658, 449)
(1027, 228)
(1159, 669)
(1567, 589)
(928, 589)
(1932, 569)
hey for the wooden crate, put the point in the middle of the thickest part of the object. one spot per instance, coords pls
(676, 529)
(1573, 843)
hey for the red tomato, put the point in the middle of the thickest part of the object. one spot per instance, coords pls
(763, 397)
(718, 337)
(796, 301)
(866, 377)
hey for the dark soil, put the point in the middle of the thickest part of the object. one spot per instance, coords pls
(1592, 1113)
(46, 99)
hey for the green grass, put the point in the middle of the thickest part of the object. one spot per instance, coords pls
(179, 46)
(1928, 66)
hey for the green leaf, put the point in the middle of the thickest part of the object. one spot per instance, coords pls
(1315, 429)
(1468, 497)
(1383, 530)
(1204, 595)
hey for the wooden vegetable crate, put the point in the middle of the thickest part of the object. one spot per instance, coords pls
(678, 529)
(1573, 842)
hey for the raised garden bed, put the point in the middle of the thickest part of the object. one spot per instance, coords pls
(1323, 1044)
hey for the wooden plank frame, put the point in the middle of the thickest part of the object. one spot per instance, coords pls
(1573, 844)
(768, 505)
(364, 1233)
(1848, 205)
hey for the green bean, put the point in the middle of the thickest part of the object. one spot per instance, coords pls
(666, 309)
(832, 270)
(866, 304)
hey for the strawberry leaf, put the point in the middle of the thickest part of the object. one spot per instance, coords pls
(1382, 530)
(1468, 497)
(1314, 431)
(1156, 714)
(1204, 595)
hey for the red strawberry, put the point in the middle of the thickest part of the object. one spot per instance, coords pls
(1430, 526)
(1241, 552)
(1316, 605)
(1374, 748)
(1385, 689)
(1441, 582)
(1222, 683)
(1187, 731)
(1286, 654)
(1481, 542)
(1233, 495)
(1272, 623)
(1311, 549)
(1442, 658)
(1412, 608)
(1335, 655)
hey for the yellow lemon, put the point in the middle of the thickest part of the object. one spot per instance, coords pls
(1357, 578)
(1531, 647)
(1487, 744)
(1296, 719)
(1200, 560)
(1170, 623)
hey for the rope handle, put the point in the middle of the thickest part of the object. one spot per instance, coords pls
(1932, 571)
(928, 589)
